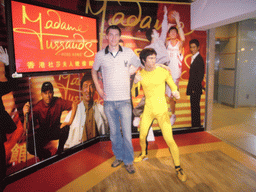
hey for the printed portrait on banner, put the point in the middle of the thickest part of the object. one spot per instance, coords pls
(135, 20)
(60, 112)
(90, 120)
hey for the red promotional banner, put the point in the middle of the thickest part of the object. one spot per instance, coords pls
(52, 40)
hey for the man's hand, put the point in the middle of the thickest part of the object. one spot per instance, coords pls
(64, 124)
(97, 84)
(101, 93)
(26, 109)
(165, 67)
(165, 10)
(74, 104)
(4, 56)
(133, 69)
(137, 77)
(73, 113)
(176, 94)
(176, 16)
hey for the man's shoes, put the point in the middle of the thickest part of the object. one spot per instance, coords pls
(181, 175)
(136, 121)
(116, 163)
(130, 168)
(173, 119)
(140, 158)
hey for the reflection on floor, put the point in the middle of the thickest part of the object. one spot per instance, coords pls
(211, 165)
(236, 126)
(208, 171)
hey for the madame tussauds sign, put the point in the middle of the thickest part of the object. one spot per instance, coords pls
(52, 40)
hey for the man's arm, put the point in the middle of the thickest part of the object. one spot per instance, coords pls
(133, 70)
(201, 70)
(165, 67)
(137, 78)
(26, 111)
(134, 59)
(73, 113)
(164, 25)
(173, 87)
(198, 73)
(97, 84)
(179, 27)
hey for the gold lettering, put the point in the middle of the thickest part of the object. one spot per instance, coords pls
(77, 63)
(61, 25)
(69, 80)
(78, 43)
(116, 21)
(73, 98)
(87, 46)
(31, 64)
(131, 20)
(53, 23)
(39, 19)
(65, 87)
(75, 81)
(28, 31)
(103, 11)
(119, 18)
(50, 64)
(157, 25)
(77, 98)
(144, 20)
(91, 63)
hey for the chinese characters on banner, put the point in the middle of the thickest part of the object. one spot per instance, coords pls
(52, 40)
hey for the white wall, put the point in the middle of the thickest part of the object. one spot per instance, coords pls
(246, 64)
(208, 14)
(227, 63)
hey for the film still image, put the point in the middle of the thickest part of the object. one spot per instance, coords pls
(60, 124)
(44, 122)
(90, 119)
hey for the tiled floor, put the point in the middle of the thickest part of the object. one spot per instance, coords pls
(236, 126)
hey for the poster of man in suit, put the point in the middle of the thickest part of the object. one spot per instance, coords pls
(196, 76)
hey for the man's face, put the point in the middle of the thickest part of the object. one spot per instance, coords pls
(173, 34)
(193, 48)
(88, 91)
(150, 61)
(113, 37)
(47, 97)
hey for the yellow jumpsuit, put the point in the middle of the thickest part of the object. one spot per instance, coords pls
(153, 83)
